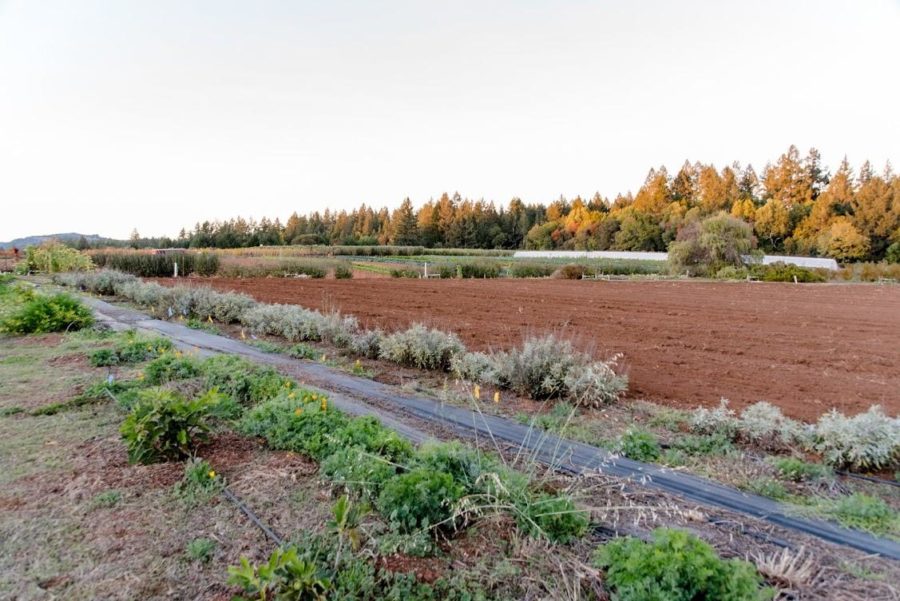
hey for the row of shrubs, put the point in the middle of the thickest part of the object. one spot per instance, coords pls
(674, 566)
(414, 489)
(774, 272)
(284, 268)
(544, 368)
(432, 490)
(866, 441)
(572, 271)
(362, 250)
(158, 266)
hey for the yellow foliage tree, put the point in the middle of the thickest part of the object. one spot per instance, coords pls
(842, 241)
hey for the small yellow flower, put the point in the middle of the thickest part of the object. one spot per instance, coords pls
(324, 404)
(478, 392)
(497, 397)
(212, 473)
(298, 411)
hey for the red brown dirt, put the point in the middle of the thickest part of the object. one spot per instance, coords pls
(806, 348)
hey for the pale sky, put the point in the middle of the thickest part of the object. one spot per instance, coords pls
(156, 114)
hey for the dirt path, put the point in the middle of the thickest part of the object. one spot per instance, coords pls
(807, 348)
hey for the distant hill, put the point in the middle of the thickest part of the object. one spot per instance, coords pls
(70, 236)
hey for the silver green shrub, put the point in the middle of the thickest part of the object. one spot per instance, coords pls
(539, 368)
(367, 343)
(714, 421)
(338, 329)
(474, 367)
(104, 281)
(288, 321)
(595, 384)
(765, 424)
(421, 347)
(226, 307)
(869, 440)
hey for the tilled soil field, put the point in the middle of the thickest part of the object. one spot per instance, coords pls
(806, 348)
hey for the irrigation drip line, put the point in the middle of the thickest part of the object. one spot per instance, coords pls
(360, 396)
(253, 517)
(869, 478)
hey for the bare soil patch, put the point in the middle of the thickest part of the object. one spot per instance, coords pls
(806, 348)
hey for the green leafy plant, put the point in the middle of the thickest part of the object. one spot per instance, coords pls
(703, 444)
(639, 445)
(41, 314)
(106, 499)
(302, 351)
(246, 383)
(798, 470)
(676, 566)
(302, 423)
(284, 576)
(169, 367)
(164, 425)
(358, 471)
(419, 499)
(864, 512)
(199, 484)
(368, 433)
(133, 349)
(767, 487)
(346, 517)
(553, 517)
(200, 549)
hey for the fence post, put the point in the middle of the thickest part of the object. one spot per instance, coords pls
(176, 268)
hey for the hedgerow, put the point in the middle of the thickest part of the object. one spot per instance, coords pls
(543, 368)
(146, 264)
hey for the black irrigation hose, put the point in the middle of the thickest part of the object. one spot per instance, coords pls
(253, 517)
(560, 454)
(869, 478)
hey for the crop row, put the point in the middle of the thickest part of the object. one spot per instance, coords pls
(423, 495)
(544, 368)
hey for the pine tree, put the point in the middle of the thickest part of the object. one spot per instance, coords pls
(405, 231)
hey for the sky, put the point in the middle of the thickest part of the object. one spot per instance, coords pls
(154, 115)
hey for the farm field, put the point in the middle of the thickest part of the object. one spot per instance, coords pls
(805, 348)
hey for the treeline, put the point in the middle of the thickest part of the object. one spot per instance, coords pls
(794, 206)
